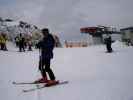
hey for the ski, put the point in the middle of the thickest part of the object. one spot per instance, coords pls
(44, 86)
(22, 83)
(33, 89)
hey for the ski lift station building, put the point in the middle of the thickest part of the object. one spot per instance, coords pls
(127, 34)
(98, 34)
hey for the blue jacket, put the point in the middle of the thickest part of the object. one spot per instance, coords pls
(46, 45)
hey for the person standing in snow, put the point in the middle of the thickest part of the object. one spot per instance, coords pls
(108, 42)
(29, 43)
(0, 41)
(46, 46)
(3, 39)
(17, 41)
(21, 43)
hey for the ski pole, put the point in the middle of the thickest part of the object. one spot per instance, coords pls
(40, 58)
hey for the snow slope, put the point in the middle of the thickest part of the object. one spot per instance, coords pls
(92, 74)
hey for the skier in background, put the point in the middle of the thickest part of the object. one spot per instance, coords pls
(17, 41)
(108, 42)
(3, 39)
(29, 44)
(0, 41)
(46, 46)
(21, 43)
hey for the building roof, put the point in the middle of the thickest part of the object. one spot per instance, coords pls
(89, 29)
(128, 28)
(97, 31)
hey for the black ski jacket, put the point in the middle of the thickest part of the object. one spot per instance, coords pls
(46, 45)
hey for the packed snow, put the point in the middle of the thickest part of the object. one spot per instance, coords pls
(92, 73)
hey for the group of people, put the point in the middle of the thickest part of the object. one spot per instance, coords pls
(3, 39)
(23, 42)
(45, 46)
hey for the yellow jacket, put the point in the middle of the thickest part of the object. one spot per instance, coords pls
(2, 39)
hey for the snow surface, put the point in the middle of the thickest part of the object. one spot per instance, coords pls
(92, 74)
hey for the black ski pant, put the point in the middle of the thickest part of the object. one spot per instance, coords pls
(109, 49)
(3, 47)
(44, 66)
(30, 48)
(21, 47)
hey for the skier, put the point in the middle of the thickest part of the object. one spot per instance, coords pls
(3, 42)
(46, 46)
(29, 44)
(0, 41)
(108, 42)
(17, 41)
(21, 43)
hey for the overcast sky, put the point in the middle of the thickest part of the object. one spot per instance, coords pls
(66, 17)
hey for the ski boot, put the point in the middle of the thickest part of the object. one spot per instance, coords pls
(51, 83)
(42, 80)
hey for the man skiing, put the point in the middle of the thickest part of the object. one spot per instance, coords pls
(46, 46)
